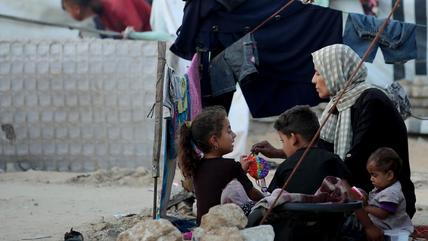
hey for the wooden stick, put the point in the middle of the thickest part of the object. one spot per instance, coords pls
(157, 144)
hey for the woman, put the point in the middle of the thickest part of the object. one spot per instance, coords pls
(115, 15)
(365, 118)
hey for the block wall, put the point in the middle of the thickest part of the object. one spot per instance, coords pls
(76, 105)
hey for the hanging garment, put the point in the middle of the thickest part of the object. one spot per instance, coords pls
(284, 47)
(233, 64)
(398, 42)
(194, 87)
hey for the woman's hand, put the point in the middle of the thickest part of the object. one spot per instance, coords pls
(267, 150)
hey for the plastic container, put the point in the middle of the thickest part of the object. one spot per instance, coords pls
(396, 235)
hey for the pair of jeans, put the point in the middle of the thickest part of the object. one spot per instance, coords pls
(234, 64)
(397, 42)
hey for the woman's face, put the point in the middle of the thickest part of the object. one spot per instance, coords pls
(320, 85)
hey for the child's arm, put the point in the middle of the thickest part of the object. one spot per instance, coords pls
(255, 195)
(377, 212)
(373, 233)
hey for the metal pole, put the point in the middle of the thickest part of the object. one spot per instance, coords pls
(158, 121)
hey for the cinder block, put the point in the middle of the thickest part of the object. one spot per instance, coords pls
(87, 132)
(56, 50)
(19, 100)
(71, 100)
(17, 67)
(111, 100)
(100, 132)
(48, 133)
(137, 116)
(96, 68)
(76, 166)
(113, 133)
(22, 149)
(84, 100)
(125, 116)
(44, 100)
(60, 116)
(58, 100)
(31, 100)
(89, 166)
(82, 67)
(43, 49)
(57, 84)
(43, 84)
(122, 50)
(5, 100)
(63, 165)
(137, 100)
(83, 85)
(109, 84)
(127, 133)
(99, 116)
(69, 67)
(56, 67)
(35, 148)
(123, 85)
(17, 84)
(60, 133)
(33, 117)
(5, 84)
(97, 100)
(48, 148)
(101, 149)
(128, 149)
(95, 49)
(69, 50)
(47, 116)
(30, 68)
(34, 132)
(112, 117)
(19, 117)
(137, 85)
(74, 132)
(88, 149)
(140, 133)
(109, 49)
(75, 149)
(5, 68)
(20, 133)
(6, 117)
(50, 165)
(109, 67)
(86, 117)
(61, 149)
(73, 116)
(30, 84)
(30, 50)
(115, 148)
(43, 67)
(17, 49)
(4, 49)
(140, 150)
(82, 48)
(70, 84)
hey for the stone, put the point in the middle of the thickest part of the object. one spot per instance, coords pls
(258, 233)
(151, 230)
(228, 215)
(223, 233)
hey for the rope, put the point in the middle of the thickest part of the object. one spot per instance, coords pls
(348, 83)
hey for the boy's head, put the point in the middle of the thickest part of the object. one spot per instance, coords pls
(384, 166)
(296, 127)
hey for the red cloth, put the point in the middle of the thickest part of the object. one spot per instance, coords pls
(119, 14)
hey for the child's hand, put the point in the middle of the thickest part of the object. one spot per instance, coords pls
(245, 162)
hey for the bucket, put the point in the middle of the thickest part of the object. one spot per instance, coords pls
(396, 235)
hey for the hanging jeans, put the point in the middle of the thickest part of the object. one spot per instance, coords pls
(397, 42)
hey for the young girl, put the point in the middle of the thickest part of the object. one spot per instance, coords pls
(115, 15)
(201, 146)
(386, 204)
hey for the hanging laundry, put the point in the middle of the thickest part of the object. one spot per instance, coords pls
(398, 41)
(284, 47)
(194, 87)
(234, 64)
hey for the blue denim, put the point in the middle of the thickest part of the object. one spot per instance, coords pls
(397, 42)
(234, 64)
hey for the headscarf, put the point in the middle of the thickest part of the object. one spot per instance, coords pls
(335, 63)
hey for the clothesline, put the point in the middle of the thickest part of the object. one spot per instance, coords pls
(127, 34)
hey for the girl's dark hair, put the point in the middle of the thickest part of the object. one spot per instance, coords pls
(208, 123)
(386, 159)
(94, 5)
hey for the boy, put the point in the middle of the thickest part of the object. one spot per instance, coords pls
(296, 127)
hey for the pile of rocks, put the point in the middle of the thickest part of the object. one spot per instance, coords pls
(222, 222)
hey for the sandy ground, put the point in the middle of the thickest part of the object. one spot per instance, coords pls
(38, 205)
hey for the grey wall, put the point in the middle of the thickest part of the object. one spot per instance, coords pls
(76, 104)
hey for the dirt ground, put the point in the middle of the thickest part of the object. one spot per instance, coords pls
(37, 205)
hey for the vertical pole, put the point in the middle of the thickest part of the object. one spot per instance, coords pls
(158, 121)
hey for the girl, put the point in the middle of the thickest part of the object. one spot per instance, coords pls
(115, 15)
(201, 146)
(386, 204)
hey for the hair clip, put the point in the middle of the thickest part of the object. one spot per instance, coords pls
(188, 124)
(197, 150)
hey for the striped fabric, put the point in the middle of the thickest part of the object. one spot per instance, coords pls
(336, 63)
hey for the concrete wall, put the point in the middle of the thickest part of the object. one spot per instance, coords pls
(76, 105)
